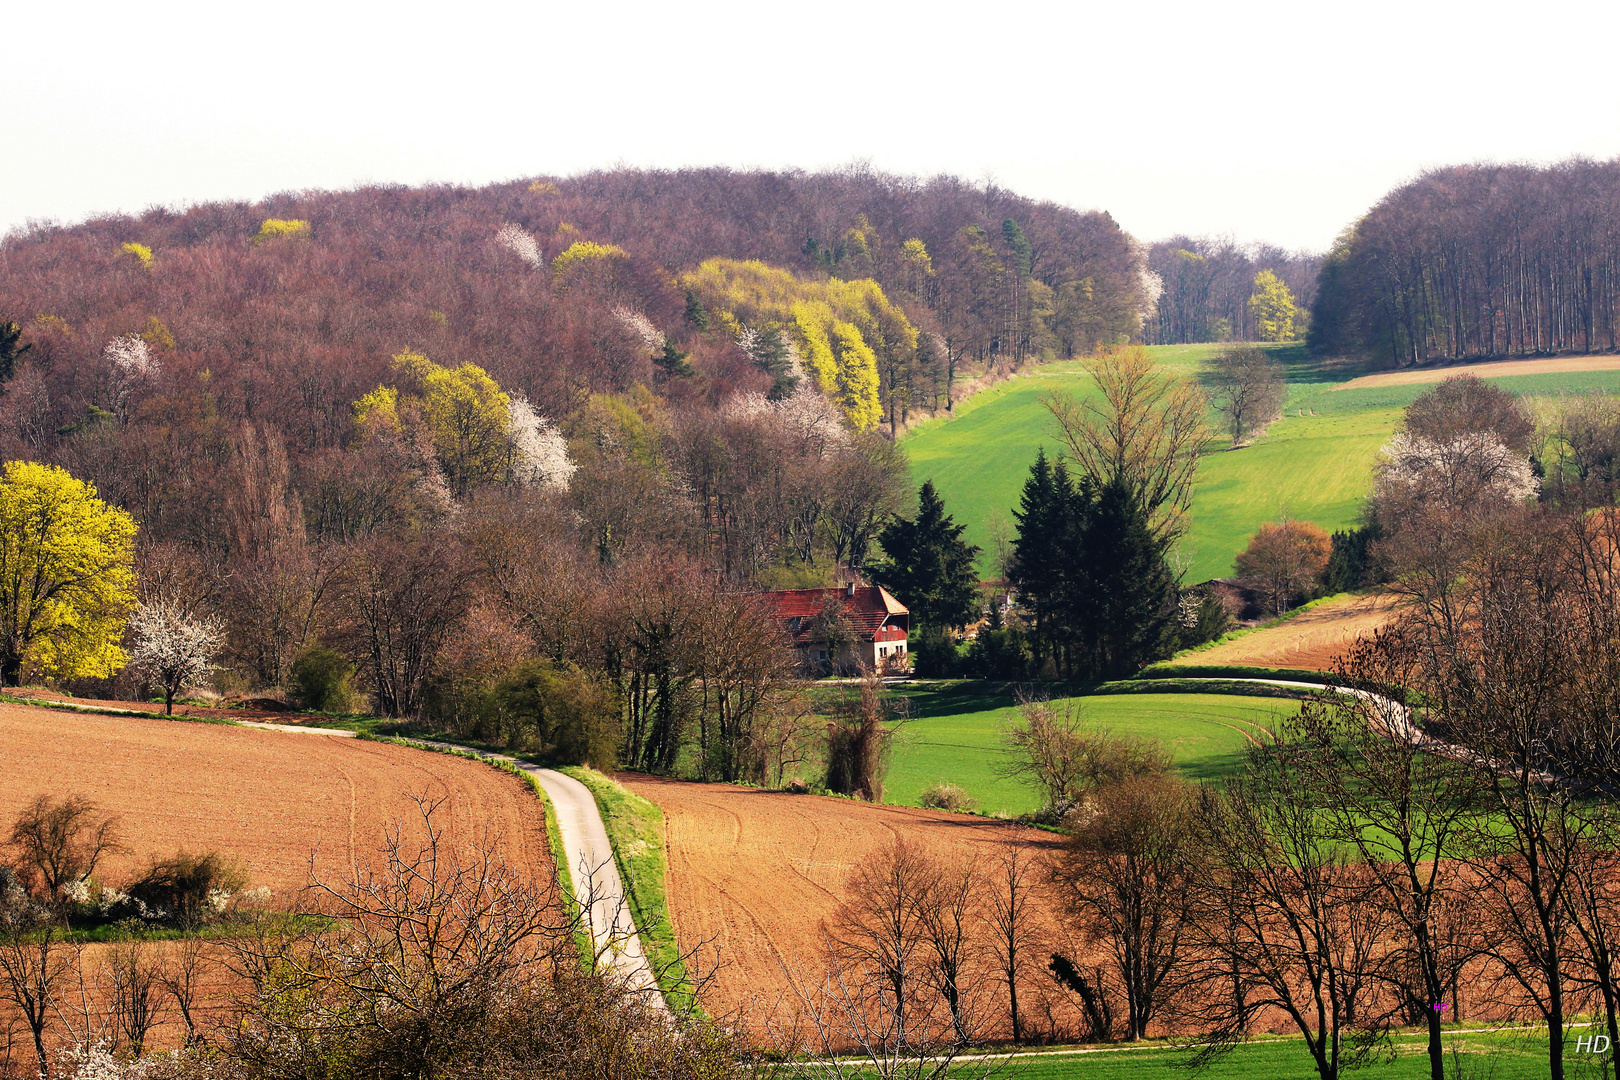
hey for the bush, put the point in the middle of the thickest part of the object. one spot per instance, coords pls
(322, 680)
(1203, 618)
(187, 889)
(559, 711)
(944, 796)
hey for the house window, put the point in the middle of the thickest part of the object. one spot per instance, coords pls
(821, 654)
(794, 624)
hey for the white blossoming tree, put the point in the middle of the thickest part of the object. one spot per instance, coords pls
(1471, 468)
(539, 451)
(131, 360)
(521, 244)
(173, 648)
(640, 327)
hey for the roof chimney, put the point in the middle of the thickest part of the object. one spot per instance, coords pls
(851, 588)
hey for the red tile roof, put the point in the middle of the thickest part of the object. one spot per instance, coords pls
(869, 609)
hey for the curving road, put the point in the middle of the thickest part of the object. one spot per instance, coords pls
(597, 887)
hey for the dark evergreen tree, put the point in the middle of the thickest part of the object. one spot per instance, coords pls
(1042, 553)
(672, 362)
(10, 351)
(1123, 612)
(928, 566)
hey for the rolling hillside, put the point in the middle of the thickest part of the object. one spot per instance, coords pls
(1312, 464)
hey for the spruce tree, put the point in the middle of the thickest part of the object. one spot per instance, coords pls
(928, 567)
(10, 350)
(1043, 551)
(1122, 610)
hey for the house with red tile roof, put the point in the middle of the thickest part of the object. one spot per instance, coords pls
(871, 623)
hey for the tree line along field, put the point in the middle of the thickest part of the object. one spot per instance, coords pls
(1315, 467)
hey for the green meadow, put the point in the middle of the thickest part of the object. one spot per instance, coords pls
(1507, 1054)
(954, 735)
(1313, 464)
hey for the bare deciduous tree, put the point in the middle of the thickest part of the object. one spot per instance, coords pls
(1248, 390)
(1147, 430)
(1126, 877)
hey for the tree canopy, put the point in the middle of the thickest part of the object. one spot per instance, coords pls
(928, 567)
(67, 583)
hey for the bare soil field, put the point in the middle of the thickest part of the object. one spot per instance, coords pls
(753, 873)
(1311, 640)
(271, 799)
(1551, 365)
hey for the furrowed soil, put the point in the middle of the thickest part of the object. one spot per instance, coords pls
(275, 801)
(753, 874)
(280, 803)
(1312, 640)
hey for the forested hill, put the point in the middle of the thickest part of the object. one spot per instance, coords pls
(294, 305)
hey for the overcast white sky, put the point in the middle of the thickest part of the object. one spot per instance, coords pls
(1267, 121)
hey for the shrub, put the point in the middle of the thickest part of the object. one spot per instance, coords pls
(322, 680)
(945, 796)
(560, 711)
(187, 889)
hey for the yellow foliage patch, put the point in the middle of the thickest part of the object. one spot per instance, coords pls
(279, 228)
(142, 253)
(67, 579)
(585, 251)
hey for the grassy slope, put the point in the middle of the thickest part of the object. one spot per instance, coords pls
(956, 737)
(1315, 467)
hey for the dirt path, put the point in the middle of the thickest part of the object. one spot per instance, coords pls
(1491, 369)
(590, 861)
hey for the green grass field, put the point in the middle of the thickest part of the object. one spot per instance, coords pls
(1498, 1055)
(955, 736)
(1314, 463)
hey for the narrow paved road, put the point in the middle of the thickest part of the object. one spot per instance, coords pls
(597, 885)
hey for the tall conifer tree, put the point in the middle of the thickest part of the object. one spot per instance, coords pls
(928, 567)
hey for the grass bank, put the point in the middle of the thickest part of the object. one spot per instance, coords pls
(635, 828)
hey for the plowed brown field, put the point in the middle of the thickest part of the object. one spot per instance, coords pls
(271, 799)
(1312, 640)
(752, 874)
(1490, 369)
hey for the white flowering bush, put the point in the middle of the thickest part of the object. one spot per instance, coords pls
(131, 357)
(96, 1062)
(521, 244)
(539, 451)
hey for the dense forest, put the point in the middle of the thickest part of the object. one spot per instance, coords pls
(1477, 261)
(1205, 286)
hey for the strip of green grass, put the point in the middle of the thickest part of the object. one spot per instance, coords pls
(1500, 1055)
(635, 828)
(956, 736)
